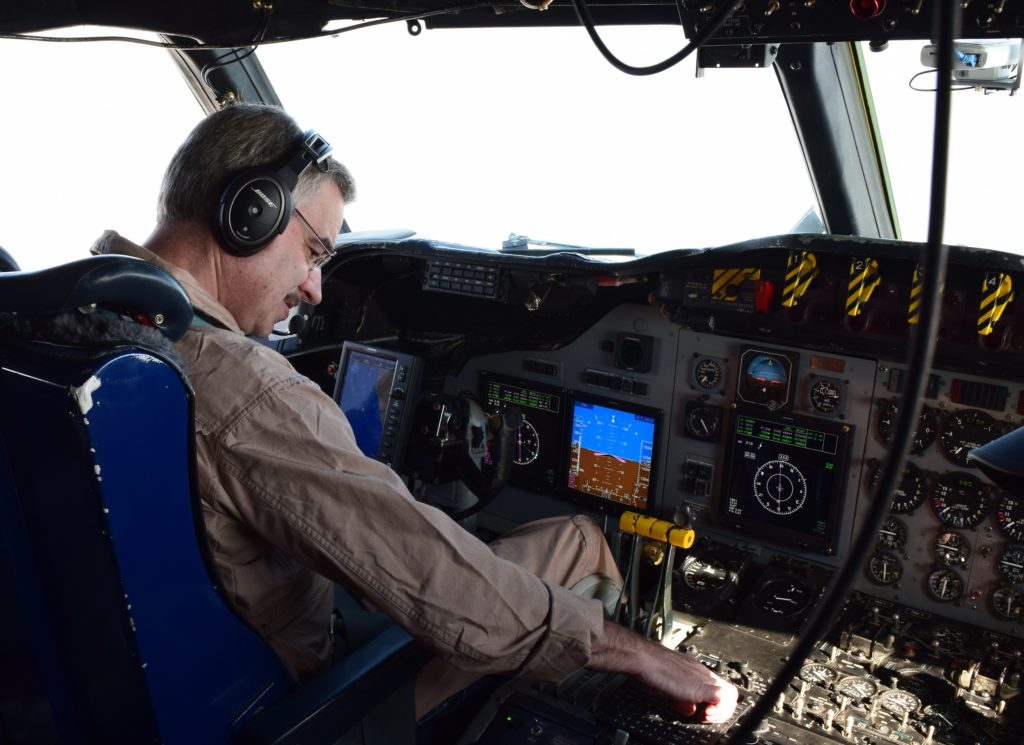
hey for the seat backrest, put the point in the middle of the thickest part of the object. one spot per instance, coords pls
(113, 628)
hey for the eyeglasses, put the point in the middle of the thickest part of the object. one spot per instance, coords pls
(321, 257)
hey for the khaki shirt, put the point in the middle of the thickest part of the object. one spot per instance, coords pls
(291, 505)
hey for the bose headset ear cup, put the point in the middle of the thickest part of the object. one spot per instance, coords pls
(254, 208)
(257, 203)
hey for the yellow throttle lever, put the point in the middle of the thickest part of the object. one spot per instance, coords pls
(658, 530)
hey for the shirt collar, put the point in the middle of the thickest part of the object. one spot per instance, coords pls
(202, 301)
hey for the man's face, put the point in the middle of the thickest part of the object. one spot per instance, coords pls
(260, 290)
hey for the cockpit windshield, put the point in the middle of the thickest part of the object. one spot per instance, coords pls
(470, 135)
(983, 198)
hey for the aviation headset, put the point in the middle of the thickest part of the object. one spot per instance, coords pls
(257, 203)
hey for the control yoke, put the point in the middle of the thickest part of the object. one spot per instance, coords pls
(474, 445)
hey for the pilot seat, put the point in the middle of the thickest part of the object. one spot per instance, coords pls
(114, 629)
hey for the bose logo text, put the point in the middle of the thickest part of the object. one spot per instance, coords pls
(263, 196)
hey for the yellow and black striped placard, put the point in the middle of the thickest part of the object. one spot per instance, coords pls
(725, 282)
(914, 309)
(996, 294)
(864, 278)
(801, 269)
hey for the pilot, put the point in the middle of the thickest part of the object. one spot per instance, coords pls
(247, 214)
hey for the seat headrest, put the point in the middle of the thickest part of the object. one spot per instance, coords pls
(1002, 460)
(121, 284)
(7, 262)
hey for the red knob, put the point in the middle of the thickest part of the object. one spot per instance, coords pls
(865, 10)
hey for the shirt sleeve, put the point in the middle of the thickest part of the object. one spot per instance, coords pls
(290, 468)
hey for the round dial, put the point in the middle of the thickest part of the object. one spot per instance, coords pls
(892, 535)
(780, 487)
(702, 421)
(945, 585)
(526, 448)
(826, 395)
(818, 674)
(927, 427)
(911, 492)
(704, 575)
(782, 596)
(857, 688)
(885, 568)
(944, 717)
(960, 500)
(1007, 603)
(899, 702)
(952, 549)
(1010, 516)
(963, 431)
(707, 373)
(765, 379)
(1011, 565)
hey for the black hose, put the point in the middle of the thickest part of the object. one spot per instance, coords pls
(919, 363)
(587, 21)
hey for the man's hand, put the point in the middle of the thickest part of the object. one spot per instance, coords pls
(677, 677)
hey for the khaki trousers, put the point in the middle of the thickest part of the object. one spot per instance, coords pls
(560, 550)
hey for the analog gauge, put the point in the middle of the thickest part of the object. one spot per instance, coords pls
(911, 492)
(927, 427)
(782, 596)
(827, 396)
(1011, 565)
(944, 717)
(780, 487)
(1007, 603)
(899, 702)
(952, 549)
(703, 421)
(765, 378)
(818, 674)
(526, 448)
(856, 687)
(945, 585)
(959, 500)
(885, 568)
(892, 535)
(707, 373)
(704, 575)
(965, 430)
(1010, 516)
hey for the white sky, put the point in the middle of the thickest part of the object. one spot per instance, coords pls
(467, 136)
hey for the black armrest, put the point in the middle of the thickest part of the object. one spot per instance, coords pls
(119, 283)
(330, 704)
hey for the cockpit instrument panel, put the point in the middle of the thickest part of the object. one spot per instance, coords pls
(787, 477)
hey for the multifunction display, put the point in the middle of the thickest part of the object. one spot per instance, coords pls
(786, 477)
(373, 389)
(611, 452)
(537, 450)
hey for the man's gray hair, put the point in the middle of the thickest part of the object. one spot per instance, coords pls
(224, 143)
